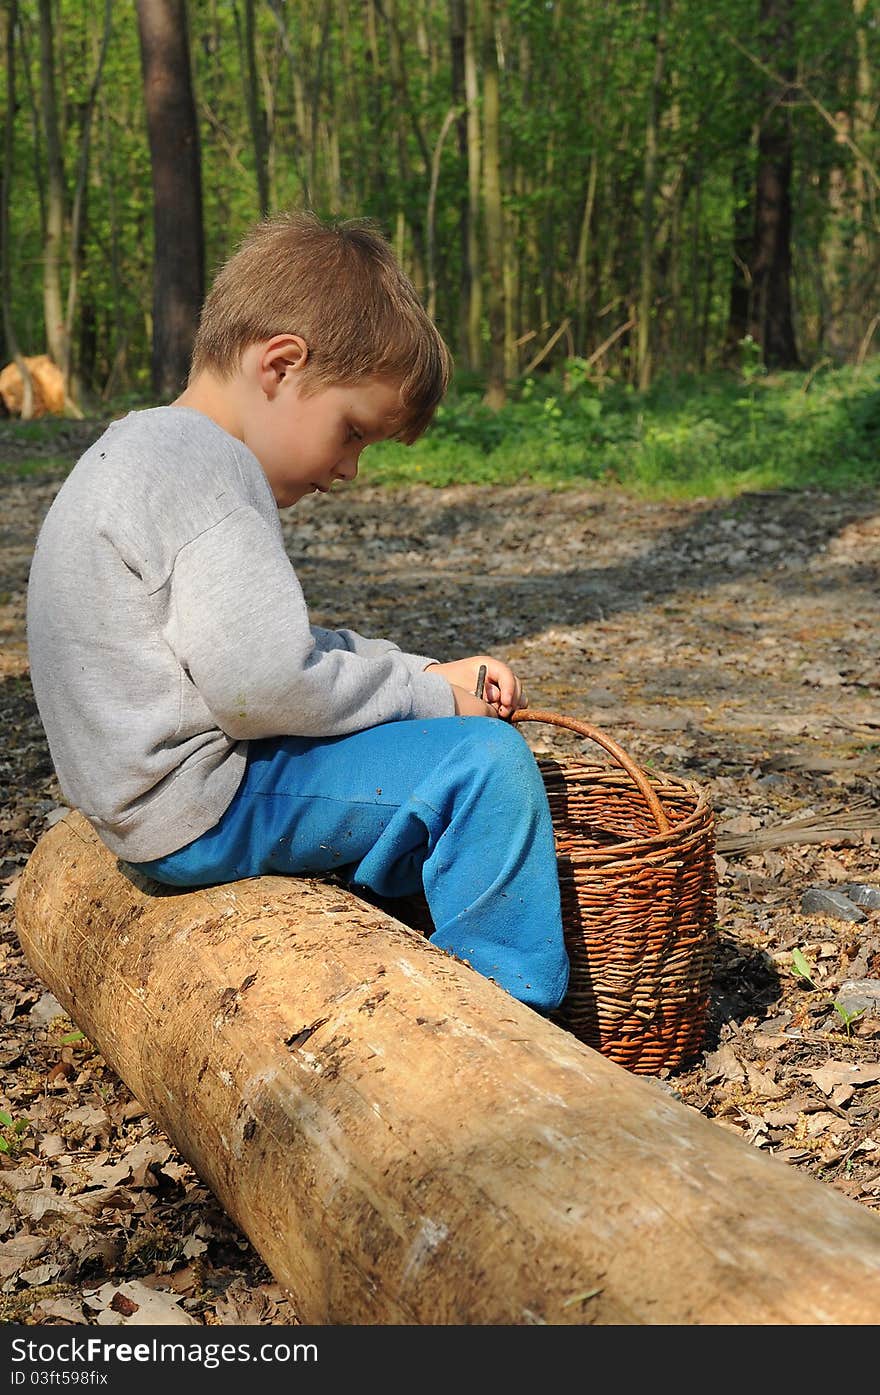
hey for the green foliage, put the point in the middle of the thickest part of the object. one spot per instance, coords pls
(12, 1132)
(715, 436)
(802, 968)
(847, 1017)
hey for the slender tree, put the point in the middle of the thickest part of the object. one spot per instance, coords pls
(649, 193)
(9, 334)
(178, 254)
(494, 211)
(79, 207)
(771, 311)
(53, 302)
(475, 176)
(256, 115)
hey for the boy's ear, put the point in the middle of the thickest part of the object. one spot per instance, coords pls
(278, 358)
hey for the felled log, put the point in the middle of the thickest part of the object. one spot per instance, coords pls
(402, 1141)
(48, 385)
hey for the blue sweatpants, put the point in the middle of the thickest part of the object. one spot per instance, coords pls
(454, 806)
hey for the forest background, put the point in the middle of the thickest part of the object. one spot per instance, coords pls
(649, 230)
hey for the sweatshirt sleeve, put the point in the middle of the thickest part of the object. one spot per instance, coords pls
(239, 626)
(367, 648)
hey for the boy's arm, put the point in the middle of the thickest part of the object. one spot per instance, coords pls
(239, 626)
(367, 648)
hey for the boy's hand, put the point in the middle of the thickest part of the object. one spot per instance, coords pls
(468, 704)
(502, 692)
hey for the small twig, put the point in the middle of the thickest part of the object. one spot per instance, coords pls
(539, 357)
(808, 381)
(869, 334)
(481, 680)
(606, 344)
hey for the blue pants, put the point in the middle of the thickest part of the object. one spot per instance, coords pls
(454, 806)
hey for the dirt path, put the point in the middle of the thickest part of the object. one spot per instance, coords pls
(733, 643)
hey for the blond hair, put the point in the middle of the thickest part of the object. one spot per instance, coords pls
(339, 286)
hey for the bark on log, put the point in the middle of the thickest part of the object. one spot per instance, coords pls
(402, 1141)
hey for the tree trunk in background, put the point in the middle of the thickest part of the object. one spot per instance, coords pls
(644, 347)
(863, 125)
(53, 301)
(475, 179)
(582, 261)
(179, 252)
(430, 221)
(496, 391)
(743, 233)
(457, 20)
(12, 345)
(79, 212)
(256, 115)
(771, 321)
(837, 264)
(406, 117)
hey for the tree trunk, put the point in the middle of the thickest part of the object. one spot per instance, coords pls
(459, 101)
(644, 346)
(403, 110)
(771, 321)
(496, 391)
(402, 1141)
(582, 258)
(9, 334)
(475, 180)
(865, 271)
(256, 115)
(179, 251)
(53, 300)
(431, 214)
(743, 231)
(80, 201)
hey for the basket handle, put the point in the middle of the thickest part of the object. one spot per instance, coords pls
(529, 714)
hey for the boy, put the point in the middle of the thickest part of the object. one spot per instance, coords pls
(194, 715)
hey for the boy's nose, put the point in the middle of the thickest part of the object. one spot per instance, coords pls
(348, 466)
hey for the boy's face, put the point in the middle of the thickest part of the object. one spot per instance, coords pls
(306, 441)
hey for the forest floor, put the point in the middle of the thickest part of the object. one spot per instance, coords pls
(733, 643)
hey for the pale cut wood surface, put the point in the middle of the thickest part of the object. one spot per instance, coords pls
(405, 1143)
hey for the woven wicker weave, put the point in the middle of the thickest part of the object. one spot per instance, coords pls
(635, 855)
(637, 879)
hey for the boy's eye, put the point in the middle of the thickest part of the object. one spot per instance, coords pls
(353, 434)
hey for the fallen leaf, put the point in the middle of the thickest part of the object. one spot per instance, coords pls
(120, 1303)
(824, 1122)
(724, 1064)
(45, 1010)
(19, 1251)
(762, 1084)
(65, 1308)
(40, 1274)
(842, 1073)
(134, 1301)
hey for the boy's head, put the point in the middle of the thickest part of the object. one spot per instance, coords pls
(338, 288)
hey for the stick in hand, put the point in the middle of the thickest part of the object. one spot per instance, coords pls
(481, 680)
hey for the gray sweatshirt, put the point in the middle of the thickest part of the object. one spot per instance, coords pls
(167, 628)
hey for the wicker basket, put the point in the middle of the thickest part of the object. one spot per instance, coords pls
(636, 865)
(637, 880)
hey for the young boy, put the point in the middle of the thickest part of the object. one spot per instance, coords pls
(194, 715)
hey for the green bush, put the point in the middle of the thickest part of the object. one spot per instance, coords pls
(714, 436)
